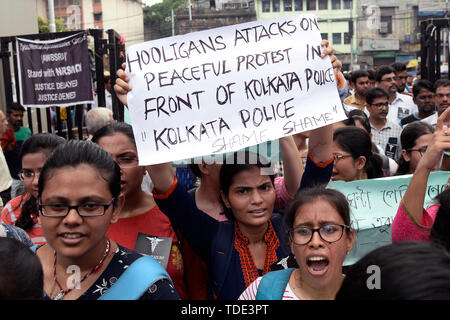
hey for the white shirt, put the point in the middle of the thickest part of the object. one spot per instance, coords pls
(382, 137)
(431, 120)
(402, 106)
(250, 292)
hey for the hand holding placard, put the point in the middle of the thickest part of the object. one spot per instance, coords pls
(224, 89)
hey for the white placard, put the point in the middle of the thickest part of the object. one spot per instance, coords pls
(224, 89)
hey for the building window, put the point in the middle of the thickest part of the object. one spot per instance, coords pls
(324, 36)
(386, 14)
(266, 6)
(298, 5)
(323, 4)
(336, 4)
(347, 4)
(337, 38)
(287, 5)
(310, 4)
(276, 5)
(347, 39)
(98, 16)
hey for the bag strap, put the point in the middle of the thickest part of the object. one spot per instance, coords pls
(136, 279)
(273, 285)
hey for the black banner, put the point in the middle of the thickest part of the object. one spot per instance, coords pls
(54, 72)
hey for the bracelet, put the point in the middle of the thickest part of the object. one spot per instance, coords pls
(402, 203)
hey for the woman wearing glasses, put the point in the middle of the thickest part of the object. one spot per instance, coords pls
(320, 237)
(79, 197)
(413, 221)
(22, 210)
(415, 139)
(140, 214)
(353, 156)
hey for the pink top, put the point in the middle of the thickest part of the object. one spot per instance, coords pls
(403, 229)
(283, 196)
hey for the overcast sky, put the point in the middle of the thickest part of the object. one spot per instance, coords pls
(151, 2)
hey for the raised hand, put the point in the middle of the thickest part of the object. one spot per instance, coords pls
(121, 87)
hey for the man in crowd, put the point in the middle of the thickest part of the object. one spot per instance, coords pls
(442, 99)
(97, 118)
(400, 105)
(402, 76)
(360, 84)
(423, 93)
(372, 75)
(386, 134)
(12, 141)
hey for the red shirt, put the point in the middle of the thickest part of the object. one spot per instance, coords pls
(12, 211)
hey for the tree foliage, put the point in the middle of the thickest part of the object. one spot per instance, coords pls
(44, 26)
(157, 17)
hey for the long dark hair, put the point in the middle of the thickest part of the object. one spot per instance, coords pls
(408, 137)
(39, 143)
(357, 142)
(409, 270)
(74, 153)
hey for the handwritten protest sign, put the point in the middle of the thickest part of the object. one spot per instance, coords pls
(54, 72)
(224, 89)
(373, 205)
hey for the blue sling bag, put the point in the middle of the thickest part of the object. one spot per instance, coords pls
(135, 280)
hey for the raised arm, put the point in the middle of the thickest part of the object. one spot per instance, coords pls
(292, 164)
(414, 197)
(162, 175)
(320, 144)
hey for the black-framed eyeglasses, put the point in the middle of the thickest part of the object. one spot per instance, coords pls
(380, 105)
(338, 157)
(60, 210)
(421, 150)
(330, 233)
(26, 174)
(127, 162)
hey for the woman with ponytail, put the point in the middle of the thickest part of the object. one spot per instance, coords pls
(353, 156)
(22, 210)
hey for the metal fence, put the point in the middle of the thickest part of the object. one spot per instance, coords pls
(68, 122)
(431, 48)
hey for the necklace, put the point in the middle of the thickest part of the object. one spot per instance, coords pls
(60, 294)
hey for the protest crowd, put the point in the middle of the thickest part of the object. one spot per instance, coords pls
(76, 214)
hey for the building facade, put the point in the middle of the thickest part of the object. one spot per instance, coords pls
(389, 31)
(126, 17)
(337, 21)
